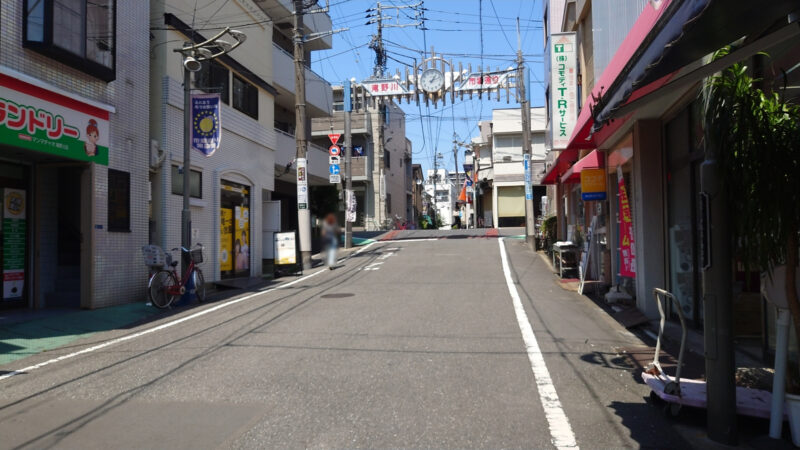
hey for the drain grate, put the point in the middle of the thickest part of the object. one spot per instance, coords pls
(337, 295)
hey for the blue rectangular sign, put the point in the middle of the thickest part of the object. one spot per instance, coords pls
(588, 196)
(333, 169)
(205, 133)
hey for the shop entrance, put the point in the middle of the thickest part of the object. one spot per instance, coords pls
(66, 292)
(234, 255)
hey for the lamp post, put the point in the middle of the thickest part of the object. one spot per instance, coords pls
(193, 57)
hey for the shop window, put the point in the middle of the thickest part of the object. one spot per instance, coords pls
(245, 97)
(119, 200)
(195, 182)
(214, 78)
(79, 33)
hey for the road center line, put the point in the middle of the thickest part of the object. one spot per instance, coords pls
(560, 430)
(165, 325)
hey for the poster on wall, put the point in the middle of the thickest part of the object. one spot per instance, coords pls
(37, 119)
(13, 243)
(241, 238)
(627, 246)
(226, 240)
(205, 123)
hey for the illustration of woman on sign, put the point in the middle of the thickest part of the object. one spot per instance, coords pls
(92, 136)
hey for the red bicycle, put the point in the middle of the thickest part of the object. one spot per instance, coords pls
(166, 284)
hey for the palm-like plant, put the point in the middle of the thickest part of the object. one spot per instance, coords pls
(757, 135)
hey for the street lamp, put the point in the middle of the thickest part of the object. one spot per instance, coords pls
(193, 57)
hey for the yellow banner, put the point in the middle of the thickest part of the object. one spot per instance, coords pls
(226, 240)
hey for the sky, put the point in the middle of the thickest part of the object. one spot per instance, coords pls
(454, 28)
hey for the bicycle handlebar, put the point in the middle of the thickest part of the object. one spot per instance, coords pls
(185, 249)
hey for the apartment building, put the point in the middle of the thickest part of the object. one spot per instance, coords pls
(500, 166)
(246, 190)
(442, 191)
(381, 157)
(74, 151)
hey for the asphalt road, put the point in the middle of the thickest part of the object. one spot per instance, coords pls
(411, 343)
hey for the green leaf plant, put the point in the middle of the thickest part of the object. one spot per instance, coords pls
(757, 138)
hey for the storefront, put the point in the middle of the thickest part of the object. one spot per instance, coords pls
(51, 142)
(234, 255)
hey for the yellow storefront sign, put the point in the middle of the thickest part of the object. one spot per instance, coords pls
(226, 240)
(593, 184)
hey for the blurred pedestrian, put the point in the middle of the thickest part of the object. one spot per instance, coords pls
(330, 239)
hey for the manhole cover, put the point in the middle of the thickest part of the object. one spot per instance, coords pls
(338, 295)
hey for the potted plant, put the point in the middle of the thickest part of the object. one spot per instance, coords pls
(758, 134)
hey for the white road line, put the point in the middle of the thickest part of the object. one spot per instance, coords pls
(560, 430)
(165, 325)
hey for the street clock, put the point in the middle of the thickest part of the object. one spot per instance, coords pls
(431, 80)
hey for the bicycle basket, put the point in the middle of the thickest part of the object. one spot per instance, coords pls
(197, 255)
(154, 256)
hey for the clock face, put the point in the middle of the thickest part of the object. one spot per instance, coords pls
(431, 80)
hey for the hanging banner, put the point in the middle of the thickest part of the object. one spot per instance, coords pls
(388, 86)
(206, 128)
(484, 80)
(226, 240)
(13, 243)
(36, 119)
(563, 89)
(627, 246)
(302, 184)
(350, 212)
(241, 238)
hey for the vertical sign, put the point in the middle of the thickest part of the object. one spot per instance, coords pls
(302, 184)
(593, 184)
(241, 238)
(285, 252)
(563, 89)
(226, 240)
(13, 243)
(627, 247)
(205, 123)
(527, 165)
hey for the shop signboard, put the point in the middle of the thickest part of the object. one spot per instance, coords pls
(527, 168)
(37, 119)
(593, 184)
(388, 86)
(285, 252)
(302, 184)
(627, 247)
(205, 123)
(226, 240)
(563, 88)
(13, 243)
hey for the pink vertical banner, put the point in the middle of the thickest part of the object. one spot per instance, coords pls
(627, 247)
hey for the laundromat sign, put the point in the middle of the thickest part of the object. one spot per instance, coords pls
(40, 120)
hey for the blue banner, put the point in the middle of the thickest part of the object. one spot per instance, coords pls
(206, 127)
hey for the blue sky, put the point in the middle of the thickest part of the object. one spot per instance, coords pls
(454, 27)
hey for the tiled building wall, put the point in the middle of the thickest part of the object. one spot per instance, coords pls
(119, 274)
(245, 156)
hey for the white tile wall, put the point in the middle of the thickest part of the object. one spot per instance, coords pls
(119, 274)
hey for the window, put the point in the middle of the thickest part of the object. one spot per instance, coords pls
(195, 182)
(79, 33)
(214, 78)
(245, 97)
(119, 200)
(387, 157)
(389, 202)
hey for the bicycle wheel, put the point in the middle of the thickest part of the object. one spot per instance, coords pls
(158, 288)
(199, 285)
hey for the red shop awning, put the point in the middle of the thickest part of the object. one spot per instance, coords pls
(561, 165)
(582, 137)
(593, 160)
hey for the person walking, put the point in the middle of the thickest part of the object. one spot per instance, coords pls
(330, 239)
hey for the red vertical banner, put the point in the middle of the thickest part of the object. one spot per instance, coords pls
(627, 247)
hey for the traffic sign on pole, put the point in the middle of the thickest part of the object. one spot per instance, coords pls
(334, 160)
(333, 169)
(334, 137)
(334, 150)
(335, 178)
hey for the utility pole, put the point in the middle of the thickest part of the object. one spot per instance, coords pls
(455, 159)
(530, 227)
(348, 173)
(301, 128)
(301, 138)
